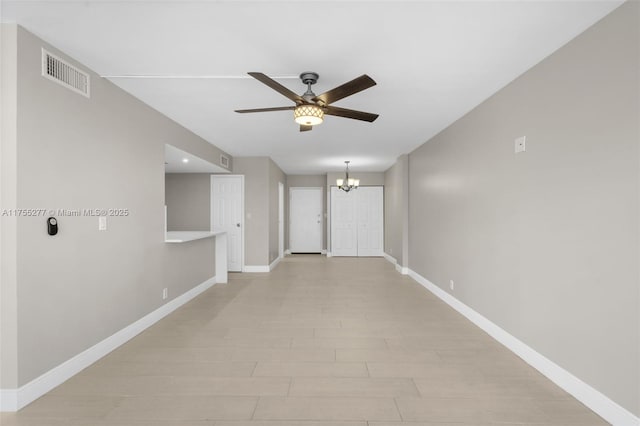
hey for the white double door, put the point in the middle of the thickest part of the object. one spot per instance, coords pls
(357, 221)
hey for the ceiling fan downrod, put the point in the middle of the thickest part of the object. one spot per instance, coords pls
(309, 78)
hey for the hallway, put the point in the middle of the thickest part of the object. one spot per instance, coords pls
(318, 341)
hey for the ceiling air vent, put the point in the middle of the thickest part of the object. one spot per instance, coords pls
(62, 72)
(224, 161)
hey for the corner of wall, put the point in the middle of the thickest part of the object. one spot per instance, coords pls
(8, 201)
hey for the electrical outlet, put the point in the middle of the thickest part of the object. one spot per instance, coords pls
(451, 284)
(165, 293)
(520, 144)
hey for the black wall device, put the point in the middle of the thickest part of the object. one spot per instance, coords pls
(52, 226)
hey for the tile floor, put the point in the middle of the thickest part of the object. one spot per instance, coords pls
(336, 342)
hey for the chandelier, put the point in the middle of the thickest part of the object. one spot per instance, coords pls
(347, 184)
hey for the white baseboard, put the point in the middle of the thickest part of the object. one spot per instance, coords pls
(402, 269)
(592, 398)
(287, 252)
(390, 258)
(323, 251)
(15, 399)
(9, 400)
(329, 254)
(255, 268)
(274, 263)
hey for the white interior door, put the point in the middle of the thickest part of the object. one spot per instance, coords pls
(344, 237)
(305, 220)
(227, 212)
(357, 222)
(280, 219)
(370, 211)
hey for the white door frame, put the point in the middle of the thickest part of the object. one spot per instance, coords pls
(328, 210)
(280, 220)
(211, 209)
(319, 188)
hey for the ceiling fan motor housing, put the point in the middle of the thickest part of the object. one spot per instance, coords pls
(309, 77)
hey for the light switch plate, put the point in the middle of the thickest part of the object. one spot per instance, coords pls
(102, 223)
(520, 144)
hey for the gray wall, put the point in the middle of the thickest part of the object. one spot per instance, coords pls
(74, 153)
(276, 175)
(256, 208)
(8, 200)
(545, 243)
(188, 201)
(261, 177)
(310, 181)
(396, 210)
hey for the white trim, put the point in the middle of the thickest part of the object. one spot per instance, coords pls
(327, 214)
(15, 399)
(592, 398)
(280, 219)
(274, 264)
(401, 269)
(287, 252)
(323, 251)
(255, 268)
(8, 400)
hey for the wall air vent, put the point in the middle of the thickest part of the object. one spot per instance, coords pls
(65, 74)
(224, 161)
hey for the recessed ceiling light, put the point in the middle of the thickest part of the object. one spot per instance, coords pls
(185, 160)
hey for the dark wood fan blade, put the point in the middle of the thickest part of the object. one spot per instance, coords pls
(354, 86)
(350, 113)
(277, 87)
(304, 128)
(289, 108)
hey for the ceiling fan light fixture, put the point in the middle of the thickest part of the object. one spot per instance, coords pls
(308, 115)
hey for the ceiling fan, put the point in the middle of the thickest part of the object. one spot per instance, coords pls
(310, 108)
